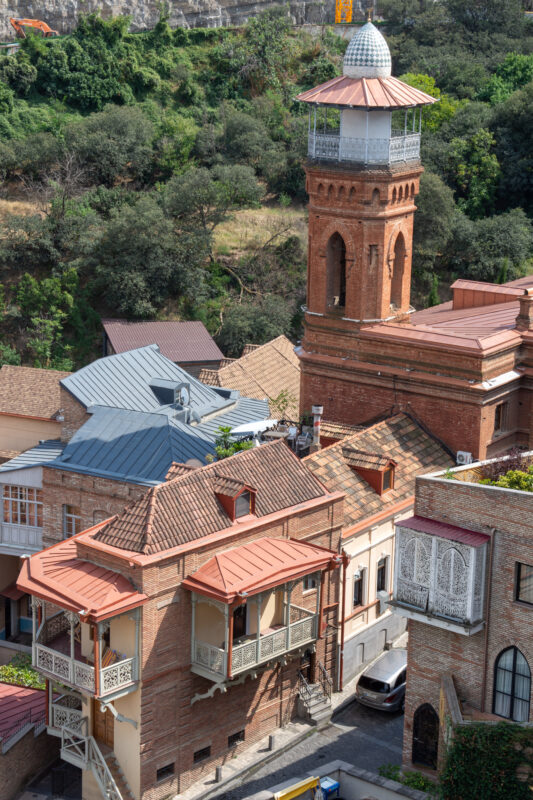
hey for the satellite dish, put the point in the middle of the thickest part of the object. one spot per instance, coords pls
(195, 463)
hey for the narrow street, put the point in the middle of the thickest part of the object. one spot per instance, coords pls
(358, 735)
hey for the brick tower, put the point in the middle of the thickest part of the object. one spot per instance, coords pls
(363, 176)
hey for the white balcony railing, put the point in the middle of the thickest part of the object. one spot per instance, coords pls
(25, 537)
(62, 715)
(82, 676)
(118, 675)
(333, 147)
(256, 651)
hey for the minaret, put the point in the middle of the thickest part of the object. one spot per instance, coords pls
(363, 174)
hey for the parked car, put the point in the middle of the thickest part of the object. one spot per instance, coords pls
(382, 685)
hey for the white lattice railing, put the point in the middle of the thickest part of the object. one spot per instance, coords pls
(333, 147)
(80, 749)
(257, 651)
(63, 668)
(64, 716)
(118, 675)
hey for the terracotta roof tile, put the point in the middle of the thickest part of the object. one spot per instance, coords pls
(230, 487)
(29, 391)
(338, 430)
(180, 341)
(399, 438)
(358, 458)
(264, 371)
(186, 509)
(176, 470)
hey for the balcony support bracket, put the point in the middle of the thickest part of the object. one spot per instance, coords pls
(222, 687)
(119, 717)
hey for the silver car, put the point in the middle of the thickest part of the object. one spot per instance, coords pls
(382, 685)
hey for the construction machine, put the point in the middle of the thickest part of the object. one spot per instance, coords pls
(37, 25)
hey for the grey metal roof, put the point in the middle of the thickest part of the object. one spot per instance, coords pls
(43, 453)
(123, 381)
(139, 447)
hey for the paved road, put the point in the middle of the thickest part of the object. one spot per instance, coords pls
(359, 735)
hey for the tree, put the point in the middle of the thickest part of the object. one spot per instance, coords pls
(512, 74)
(474, 173)
(433, 116)
(257, 322)
(513, 149)
(487, 15)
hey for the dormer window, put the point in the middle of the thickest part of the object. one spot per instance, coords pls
(375, 469)
(237, 498)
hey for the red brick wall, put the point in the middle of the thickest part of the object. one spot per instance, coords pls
(24, 761)
(74, 414)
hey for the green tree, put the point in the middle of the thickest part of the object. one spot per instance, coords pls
(513, 73)
(487, 15)
(256, 322)
(513, 149)
(433, 116)
(225, 446)
(474, 173)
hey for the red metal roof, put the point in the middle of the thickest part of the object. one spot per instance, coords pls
(58, 575)
(12, 592)
(366, 93)
(18, 703)
(445, 531)
(181, 342)
(258, 566)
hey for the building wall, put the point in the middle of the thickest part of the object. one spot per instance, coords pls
(506, 516)
(21, 433)
(24, 761)
(74, 414)
(95, 497)
(127, 740)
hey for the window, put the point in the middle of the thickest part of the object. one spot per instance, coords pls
(235, 738)
(358, 588)
(524, 583)
(512, 685)
(202, 754)
(243, 505)
(165, 772)
(23, 506)
(336, 272)
(500, 417)
(72, 522)
(309, 583)
(388, 479)
(381, 579)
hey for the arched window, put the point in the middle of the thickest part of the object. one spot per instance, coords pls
(412, 190)
(336, 272)
(352, 194)
(394, 193)
(397, 271)
(400, 194)
(512, 685)
(376, 197)
(320, 189)
(425, 736)
(341, 193)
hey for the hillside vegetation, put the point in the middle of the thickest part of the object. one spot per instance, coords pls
(160, 174)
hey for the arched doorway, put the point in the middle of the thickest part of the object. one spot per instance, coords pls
(425, 736)
(397, 272)
(336, 272)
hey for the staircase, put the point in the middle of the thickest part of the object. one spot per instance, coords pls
(119, 777)
(316, 697)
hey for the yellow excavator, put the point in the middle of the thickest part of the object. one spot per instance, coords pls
(37, 25)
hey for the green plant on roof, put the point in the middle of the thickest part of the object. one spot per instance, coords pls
(20, 672)
(513, 479)
(225, 446)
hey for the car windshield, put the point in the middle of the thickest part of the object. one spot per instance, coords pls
(373, 685)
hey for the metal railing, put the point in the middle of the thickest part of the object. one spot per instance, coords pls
(334, 147)
(325, 681)
(76, 673)
(80, 749)
(305, 691)
(256, 651)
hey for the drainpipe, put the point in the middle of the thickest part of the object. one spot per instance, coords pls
(345, 562)
(230, 638)
(487, 616)
(317, 419)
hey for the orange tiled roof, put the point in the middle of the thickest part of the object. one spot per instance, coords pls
(358, 458)
(257, 566)
(186, 509)
(30, 392)
(176, 469)
(59, 576)
(263, 371)
(338, 430)
(398, 438)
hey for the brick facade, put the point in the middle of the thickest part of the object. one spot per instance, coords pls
(24, 761)
(74, 414)
(504, 515)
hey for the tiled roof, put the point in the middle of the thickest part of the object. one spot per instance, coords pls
(30, 392)
(367, 54)
(358, 458)
(186, 509)
(264, 371)
(398, 438)
(388, 93)
(59, 576)
(337, 430)
(19, 704)
(184, 342)
(43, 453)
(230, 487)
(177, 469)
(257, 566)
(445, 531)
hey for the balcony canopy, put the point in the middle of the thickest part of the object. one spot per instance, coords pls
(373, 93)
(58, 576)
(445, 531)
(258, 566)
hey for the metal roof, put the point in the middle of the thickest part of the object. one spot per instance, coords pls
(445, 531)
(184, 342)
(124, 381)
(43, 453)
(347, 92)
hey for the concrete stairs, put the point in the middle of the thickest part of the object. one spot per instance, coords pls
(119, 777)
(319, 708)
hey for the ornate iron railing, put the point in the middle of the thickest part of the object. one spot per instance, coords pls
(333, 147)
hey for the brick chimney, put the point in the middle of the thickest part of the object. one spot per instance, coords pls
(524, 320)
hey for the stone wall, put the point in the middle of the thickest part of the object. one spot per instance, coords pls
(62, 15)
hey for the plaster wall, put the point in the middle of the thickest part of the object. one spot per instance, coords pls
(21, 433)
(127, 740)
(354, 124)
(122, 635)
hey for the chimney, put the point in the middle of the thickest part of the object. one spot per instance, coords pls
(317, 419)
(524, 320)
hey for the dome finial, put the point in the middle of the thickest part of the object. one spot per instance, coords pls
(369, 12)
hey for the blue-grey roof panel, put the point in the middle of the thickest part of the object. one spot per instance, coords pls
(123, 381)
(41, 454)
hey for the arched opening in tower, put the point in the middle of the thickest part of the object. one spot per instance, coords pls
(336, 272)
(397, 272)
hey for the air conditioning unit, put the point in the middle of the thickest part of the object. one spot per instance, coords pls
(463, 457)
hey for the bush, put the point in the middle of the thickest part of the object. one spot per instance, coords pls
(20, 672)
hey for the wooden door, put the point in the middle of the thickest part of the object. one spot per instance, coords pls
(425, 736)
(103, 725)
